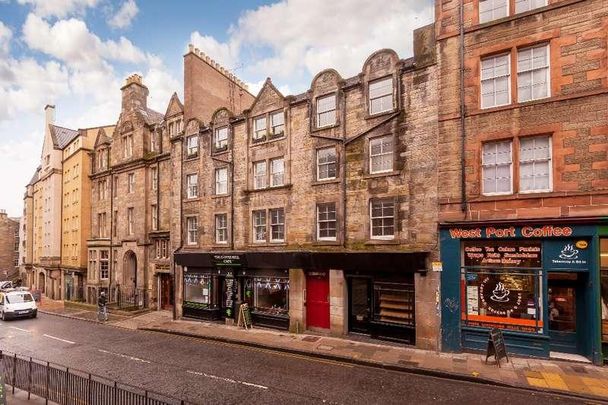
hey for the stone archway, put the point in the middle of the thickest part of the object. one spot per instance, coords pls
(129, 273)
(41, 282)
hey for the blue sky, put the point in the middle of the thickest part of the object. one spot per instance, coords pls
(76, 54)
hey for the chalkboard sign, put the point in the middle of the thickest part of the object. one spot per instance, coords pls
(230, 292)
(496, 346)
(244, 319)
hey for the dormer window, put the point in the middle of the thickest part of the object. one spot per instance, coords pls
(220, 139)
(326, 111)
(127, 144)
(192, 146)
(277, 123)
(153, 142)
(381, 96)
(259, 129)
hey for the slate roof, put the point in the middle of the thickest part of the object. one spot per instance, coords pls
(34, 177)
(151, 116)
(62, 136)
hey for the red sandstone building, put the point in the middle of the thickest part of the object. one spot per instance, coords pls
(523, 184)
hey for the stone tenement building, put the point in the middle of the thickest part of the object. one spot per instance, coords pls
(318, 210)
(9, 247)
(523, 174)
(129, 246)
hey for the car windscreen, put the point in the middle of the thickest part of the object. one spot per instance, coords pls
(19, 298)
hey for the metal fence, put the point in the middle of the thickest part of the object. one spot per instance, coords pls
(67, 386)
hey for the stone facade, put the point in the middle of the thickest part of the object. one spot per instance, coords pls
(409, 183)
(129, 212)
(9, 247)
(574, 114)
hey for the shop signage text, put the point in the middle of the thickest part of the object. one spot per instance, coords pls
(547, 231)
(502, 253)
(227, 260)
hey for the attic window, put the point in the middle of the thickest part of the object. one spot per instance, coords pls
(381, 95)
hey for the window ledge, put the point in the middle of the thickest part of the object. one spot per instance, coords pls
(189, 200)
(319, 129)
(268, 139)
(382, 242)
(369, 116)
(517, 196)
(267, 244)
(221, 245)
(322, 182)
(190, 247)
(215, 196)
(190, 158)
(327, 243)
(383, 174)
(283, 187)
(219, 151)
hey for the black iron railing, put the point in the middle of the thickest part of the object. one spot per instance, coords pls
(66, 386)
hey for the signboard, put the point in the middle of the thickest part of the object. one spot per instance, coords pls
(567, 254)
(437, 266)
(502, 253)
(229, 294)
(230, 260)
(244, 319)
(546, 231)
(496, 346)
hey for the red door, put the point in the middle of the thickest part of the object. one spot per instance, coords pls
(317, 299)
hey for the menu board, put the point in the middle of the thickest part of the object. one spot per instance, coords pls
(493, 253)
(229, 293)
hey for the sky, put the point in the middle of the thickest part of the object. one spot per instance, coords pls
(76, 54)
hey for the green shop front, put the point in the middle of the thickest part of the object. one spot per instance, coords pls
(537, 282)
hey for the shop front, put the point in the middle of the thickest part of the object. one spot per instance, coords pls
(538, 283)
(216, 284)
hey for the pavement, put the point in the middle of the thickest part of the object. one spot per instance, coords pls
(549, 376)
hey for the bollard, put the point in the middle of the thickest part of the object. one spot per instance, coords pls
(29, 381)
(14, 372)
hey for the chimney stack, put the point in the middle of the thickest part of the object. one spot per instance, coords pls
(49, 112)
(134, 94)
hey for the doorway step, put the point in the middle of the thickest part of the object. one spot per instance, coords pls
(569, 357)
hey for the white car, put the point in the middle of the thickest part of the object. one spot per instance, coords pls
(17, 304)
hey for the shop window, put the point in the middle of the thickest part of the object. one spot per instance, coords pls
(604, 287)
(394, 303)
(502, 285)
(198, 291)
(326, 164)
(535, 164)
(497, 168)
(533, 73)
(326, 111)
(381, 95)
(382, 219)
(271, 295)
(326, 221)
(221, 181)
(381, 154)
(495, 81)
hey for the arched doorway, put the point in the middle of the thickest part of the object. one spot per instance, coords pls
(129, 273)
(41, 282)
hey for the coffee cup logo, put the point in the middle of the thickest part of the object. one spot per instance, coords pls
(569, 253)
(500, 293)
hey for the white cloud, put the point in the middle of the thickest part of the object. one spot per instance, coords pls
(58, 8)
(72, 42)
(294, 39)
(125, 15)
(5, 39)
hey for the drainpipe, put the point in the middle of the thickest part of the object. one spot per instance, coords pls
(343, 164)
(463, 191)
(158, 210)
(181, 215)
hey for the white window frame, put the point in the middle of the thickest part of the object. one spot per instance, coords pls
(262, 226)
(493, 17)
(529, 5)
(192, 146)
(260, 128)
(327, 111)
(154, 210)
(382, 96)
(130, 219)
(260, 180)
(220, 143)
(382, 153)
(104, 260)
(327, 221)
(221, 228)
(192, 185)
(382, 217)
(328, 164)
(221, 184)
(154, 180)
(549, 160)
(547, 69)
(494, 78)
(272, 224)
(273, 126)
(131, 183)
(277, 178)
(483, 166)
(192, 230)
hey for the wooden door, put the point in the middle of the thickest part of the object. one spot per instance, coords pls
(166, 291)
(317, 299)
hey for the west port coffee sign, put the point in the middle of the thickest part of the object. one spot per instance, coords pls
(546, 231)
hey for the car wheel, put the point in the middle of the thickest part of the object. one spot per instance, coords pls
(35, 314)
(4, 318)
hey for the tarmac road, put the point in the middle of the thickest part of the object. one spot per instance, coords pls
(208, 372)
